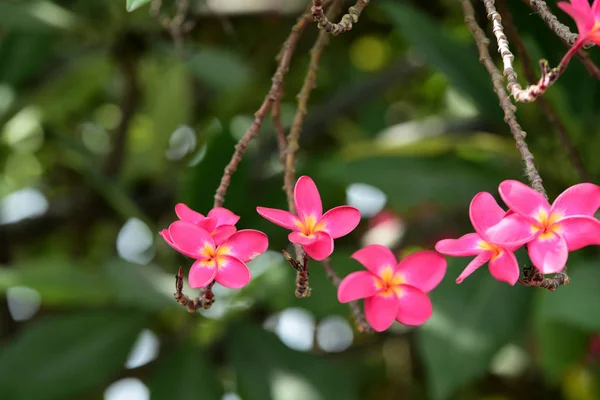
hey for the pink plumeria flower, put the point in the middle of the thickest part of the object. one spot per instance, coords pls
(551, 231)
(225, 263)
(392, 290)
(484, 213)
(311, 228)
(587, 19)
(220, 222)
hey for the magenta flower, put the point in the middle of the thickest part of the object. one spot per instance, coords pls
(484, 213)
(225, 263)
(551, 231)
(220, 222)
(587, 19)
(311, 228)
(392, 290)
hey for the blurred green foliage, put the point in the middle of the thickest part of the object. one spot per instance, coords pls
(97, 102)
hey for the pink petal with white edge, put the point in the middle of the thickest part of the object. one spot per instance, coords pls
(357, 285)
(505, 268)
(424, 269)
(580, 232)
(375, 257)
(321, 248)
(201, 275)
(381, 311)
(301, 238)
(166, 236)
(208, 224)
(466, 245)
(222, 233)
(307, 198)
(474, 265)
(246, 244)
(522, 199)
(340, 221)
(189, 239)
(186, 214)
(279, 217)
(233, 273)
(414, 306)
(484, 212)
(548, 254)
(223, 216)
(581, 199)
(512, 231)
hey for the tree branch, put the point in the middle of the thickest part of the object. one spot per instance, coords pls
(345, 24)
(205, 299)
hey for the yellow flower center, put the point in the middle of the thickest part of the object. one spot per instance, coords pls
(388, 282)
(309, 226)
(547, 224)
(213, 256)
(496, 250)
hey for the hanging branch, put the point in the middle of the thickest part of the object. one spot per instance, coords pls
(530, 278)
(274, 93)
(204, 300)
(324, 23)
(554, 120)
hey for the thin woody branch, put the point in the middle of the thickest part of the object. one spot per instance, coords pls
(345, 24)
(302, 288)
(533, 277)
(274, 93)
(204, 300)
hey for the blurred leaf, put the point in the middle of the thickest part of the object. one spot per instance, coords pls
(133, 5)
(459, 63)
(34, 15)
(577, 303)
(330, 379)
(219, 68)
(185, 374)
(59, 357)
(470, 323)
(22, 54)
(560, 348)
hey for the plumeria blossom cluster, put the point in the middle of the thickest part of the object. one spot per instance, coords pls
(550, 232)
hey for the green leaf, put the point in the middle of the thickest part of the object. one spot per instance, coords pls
(319, 377)
(220, 69)
(577, 303)
(185, 374)
(59, 357)
(471, 321)
(133, 5)
(458, 62)
(560, 348)
(35, 16)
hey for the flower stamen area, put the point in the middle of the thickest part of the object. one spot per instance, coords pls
(388, 282)
(496, 250)
(547, 224)
(213, 256)
(309, 226)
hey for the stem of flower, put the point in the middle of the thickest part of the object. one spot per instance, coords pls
(324, 23)
(204, 300)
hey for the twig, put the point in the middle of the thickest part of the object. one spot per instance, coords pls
(507, 106)
(302, 288)
(533, 277)
(359, 317)
(288, 50)
(554, 120)
(345, 24)
(204, 300)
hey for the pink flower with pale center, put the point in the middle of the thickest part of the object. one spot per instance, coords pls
(225, 263)
(484, 213)
(392, 290)
(220, 222)
(587, 19)
(550, 230)
(311, 228)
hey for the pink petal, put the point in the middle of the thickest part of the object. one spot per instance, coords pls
(232, 273)
(167, 237)
(474, 265)
(186, 214)
(381, 311)
(467, 245)
(208, 224)
(340, 221)
(189, 239)
(301, 238)
(414, 306)
(357, 285)
(202, 273)
(580, 232)
(505, 267)
(522, 199)
(222, 233)
(307, 198)
(279, 217)
(321, 248)
(512, 231)
(484, 212)
(548, 253)
(375, 257)
(424, 269)
(246, 244)
(581, 199)
(583, 18)
(223, 216)
(596, 8)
